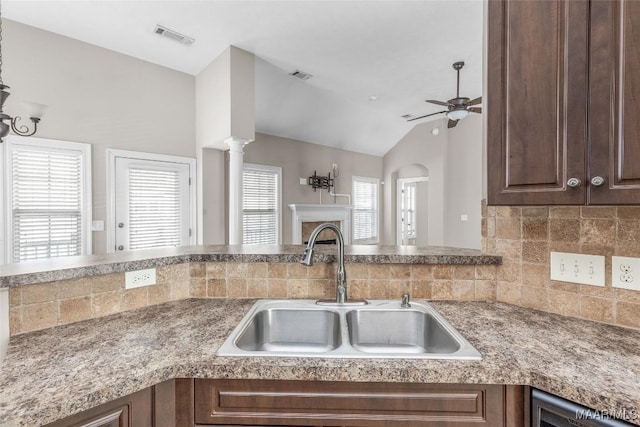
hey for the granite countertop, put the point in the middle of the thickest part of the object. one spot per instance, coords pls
(51, 269)
(50, 374)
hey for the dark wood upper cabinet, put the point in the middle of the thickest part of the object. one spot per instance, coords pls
(614, 101)
(563, 95)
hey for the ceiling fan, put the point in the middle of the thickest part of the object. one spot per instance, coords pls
(458, 107)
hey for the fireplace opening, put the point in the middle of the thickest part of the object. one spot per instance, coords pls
(326, 237)
(324, 242)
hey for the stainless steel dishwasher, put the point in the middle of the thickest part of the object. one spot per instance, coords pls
(548, 410)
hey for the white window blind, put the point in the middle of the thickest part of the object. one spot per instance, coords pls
(47, 187)
(154, 208)
(365, 210)
(260, 205)
(152, 200)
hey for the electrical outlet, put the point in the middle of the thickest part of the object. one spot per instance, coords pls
(625, 273)
(577, 268)
(139, 278)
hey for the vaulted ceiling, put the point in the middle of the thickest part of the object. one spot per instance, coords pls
(399, 52)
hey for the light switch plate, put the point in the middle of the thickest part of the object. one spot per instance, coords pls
(303, 181)
(97, 225)
(577, 268)
(139, 278)
(625, 273)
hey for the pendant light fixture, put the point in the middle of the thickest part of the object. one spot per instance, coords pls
(12, 123)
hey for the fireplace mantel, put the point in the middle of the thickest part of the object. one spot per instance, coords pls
(320, 213)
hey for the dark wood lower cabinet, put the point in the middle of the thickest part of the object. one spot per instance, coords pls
(134, 410)
(309, 403)
(261, 403)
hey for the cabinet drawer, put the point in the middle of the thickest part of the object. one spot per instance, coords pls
(231, 402)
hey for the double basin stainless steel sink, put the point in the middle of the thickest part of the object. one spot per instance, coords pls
(380, 329)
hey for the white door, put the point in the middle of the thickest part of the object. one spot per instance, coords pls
(408, 207)
(152, 206)
(407, 218)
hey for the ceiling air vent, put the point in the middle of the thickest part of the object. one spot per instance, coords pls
(407, 116)
(173, 35)
(301, 75)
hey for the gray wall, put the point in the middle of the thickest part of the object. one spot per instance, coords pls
(453, 162)
(419, 150)
(464, 183)
(214, 212)
(100, 97)
(299, 159)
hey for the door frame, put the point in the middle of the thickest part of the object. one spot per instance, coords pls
(112, 155)
(399, 182)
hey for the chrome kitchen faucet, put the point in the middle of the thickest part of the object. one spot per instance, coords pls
(341, 285)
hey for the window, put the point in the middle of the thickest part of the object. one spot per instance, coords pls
(261, 204)
(153, 200)
(365, 210)
(48, 196)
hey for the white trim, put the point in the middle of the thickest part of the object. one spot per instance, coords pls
(377, 182)
(320, 213)
(87, 203)
(278, 171)
(112, 154)
(399, 183)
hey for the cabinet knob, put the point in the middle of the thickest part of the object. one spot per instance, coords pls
(597, 181)
(574, 182)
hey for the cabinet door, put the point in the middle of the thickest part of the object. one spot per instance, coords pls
(614, 86)
(134, 410)
(318, 403)
(536, 101)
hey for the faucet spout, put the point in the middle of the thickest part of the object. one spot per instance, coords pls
(307, 259)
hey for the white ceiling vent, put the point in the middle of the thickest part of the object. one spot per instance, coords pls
(301, 75)
(173, 35)
(407, 116)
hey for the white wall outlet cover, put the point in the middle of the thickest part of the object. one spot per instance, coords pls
(577, 268)
(625, 273)
(303, 181)
(464, 217)
(139, 278)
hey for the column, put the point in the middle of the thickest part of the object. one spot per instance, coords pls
(236, 155)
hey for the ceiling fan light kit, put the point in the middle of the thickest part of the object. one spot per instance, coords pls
(457, 114)
(457, 108)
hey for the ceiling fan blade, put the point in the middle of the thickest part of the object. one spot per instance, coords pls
(476, 101)
(452, 124)
(433, 101)
(475, 110)
(422, 117)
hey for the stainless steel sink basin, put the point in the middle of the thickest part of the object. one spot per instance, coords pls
(291, 330)
(381, 329)
(401, 331)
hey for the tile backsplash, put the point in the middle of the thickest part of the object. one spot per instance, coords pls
(524, 237)
(382, 281)
(40, 306)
